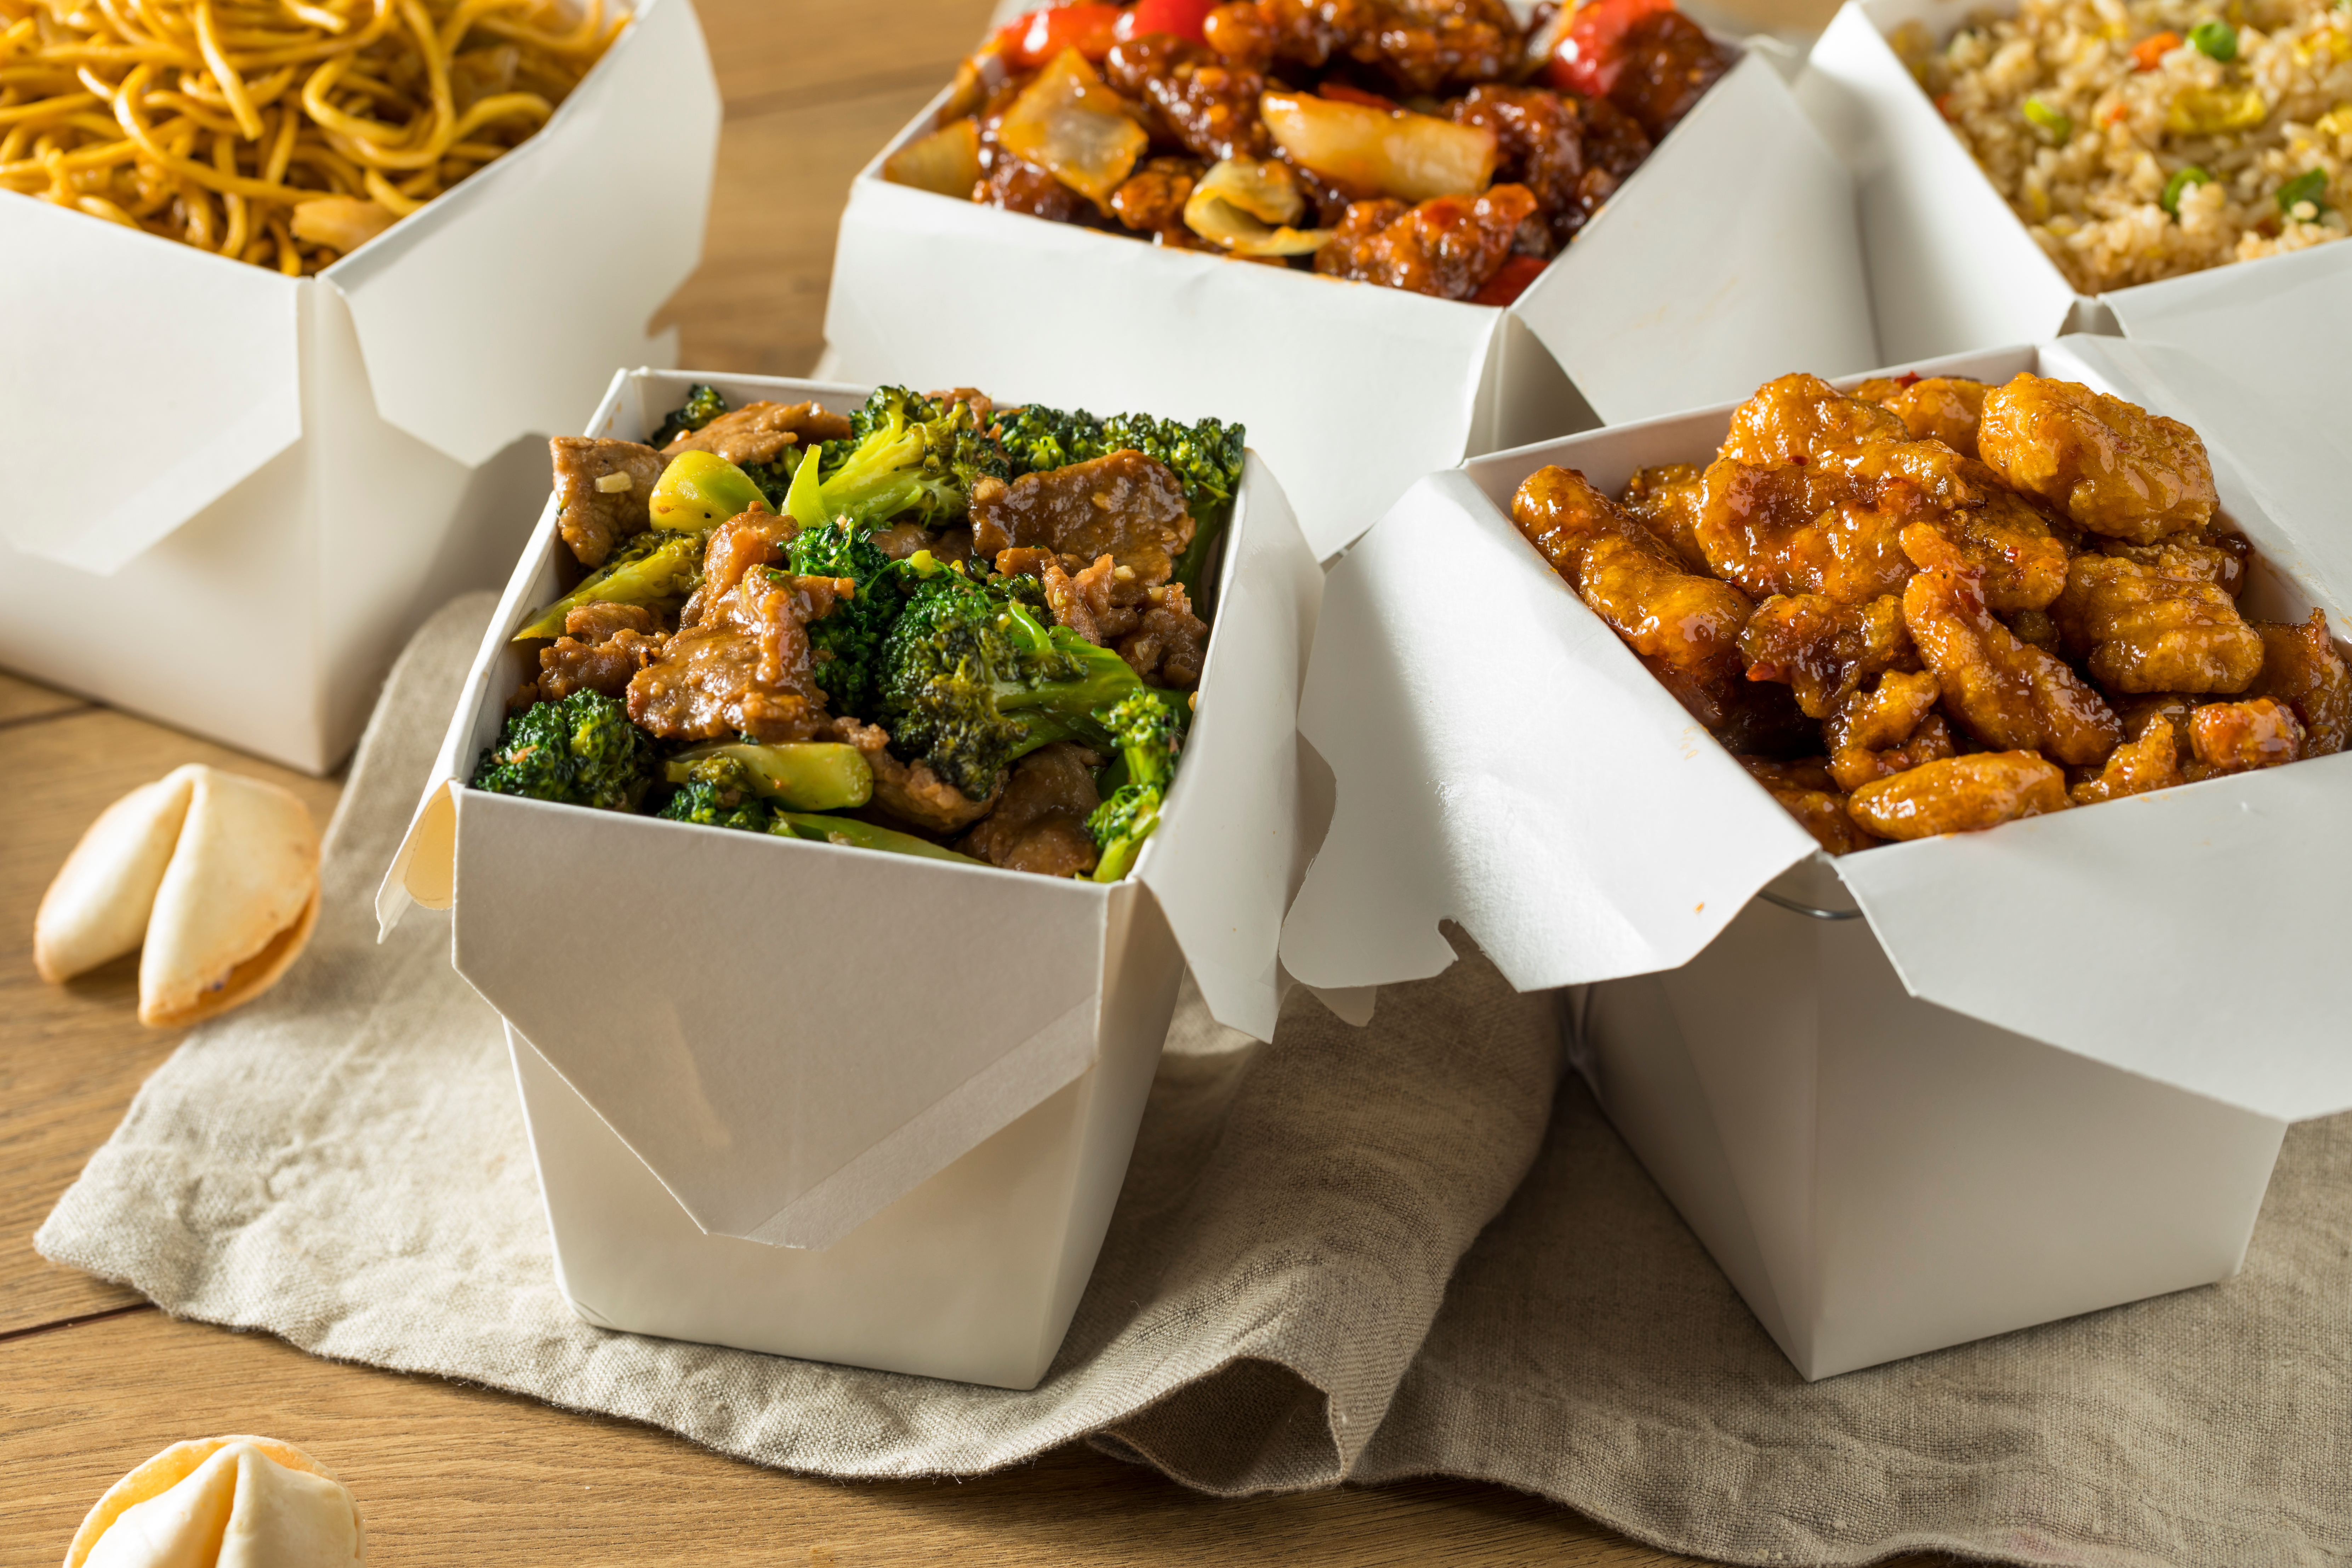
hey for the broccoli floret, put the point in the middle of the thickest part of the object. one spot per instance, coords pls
(907, 457)
(775, 479)
(702, 404)
(973, 679)
(1206, 459)
(847, 643)
(717, 805)
(582, 750)
(1146, 727)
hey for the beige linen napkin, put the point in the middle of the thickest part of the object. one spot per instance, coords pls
(342, 1163)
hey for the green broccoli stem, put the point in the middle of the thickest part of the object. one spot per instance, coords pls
(818, 827)
(1210, 519)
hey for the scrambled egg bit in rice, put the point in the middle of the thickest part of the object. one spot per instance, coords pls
(2142, 139)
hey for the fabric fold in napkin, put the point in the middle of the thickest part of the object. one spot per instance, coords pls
(1301, 1285)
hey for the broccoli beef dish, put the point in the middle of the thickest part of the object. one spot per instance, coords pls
(930, 626)
(1432, 146)
(1937, 605)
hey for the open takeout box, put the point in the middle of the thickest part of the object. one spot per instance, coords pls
(1730, 255)
(1911, 1097)
(847, 1105)
(1952, 269)
(227, 497)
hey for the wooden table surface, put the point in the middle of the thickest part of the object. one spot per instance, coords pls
(92, 1380)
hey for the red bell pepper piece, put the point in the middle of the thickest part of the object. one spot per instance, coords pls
(1183, 19)
(1586, 59)
(1028, 41)
(1517, 272)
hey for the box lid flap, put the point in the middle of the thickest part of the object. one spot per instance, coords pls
(1729, 256)
(1480, 721)
(538, 274)
(130, 409)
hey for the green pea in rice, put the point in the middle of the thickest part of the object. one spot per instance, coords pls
(2085, 168)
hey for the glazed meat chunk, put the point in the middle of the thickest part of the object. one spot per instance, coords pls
(1194, 97)
(2159, 625)
(602, 491)
(1040, 824)
(1667, 501)
(737, 545)
(2024, 565)
(1960, 794)
(758, 432)
(1808, 530)
(742, 667)
(2302, 669)
(603, 647)
(1877, 734)
(1944, 408)
(1419, 46)
(1806, 792)
(2113, 468)
(2151, 761)
(1152, 200)
(1123, 505)
(1824, 651)
(2008, 694)
(1170, 643)
(1448, 247)
(2235, 737)
(1666, 64)
(1571, 154)
(1797, 418)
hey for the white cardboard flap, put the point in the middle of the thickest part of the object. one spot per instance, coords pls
(539, 273)
(2194, 936)
(91, 313)
(1354, 391)
(1505, 762)
(1732, 253)
(1501, 758)
(824, 1028)
(915, 1007)
(1227, 857)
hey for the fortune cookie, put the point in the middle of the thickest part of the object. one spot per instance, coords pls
(223, 1502)
(213, 876)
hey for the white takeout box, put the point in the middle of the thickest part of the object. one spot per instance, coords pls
(845, 1105)
(1910, 1097)
(227, 497)
(1729, 256)
(1953, 270)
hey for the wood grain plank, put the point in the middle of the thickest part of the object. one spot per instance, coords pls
(446, 1473)
(71, 1055)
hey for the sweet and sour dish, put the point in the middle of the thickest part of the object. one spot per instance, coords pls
(1430, 145)
(929, 625)
(1937, 605)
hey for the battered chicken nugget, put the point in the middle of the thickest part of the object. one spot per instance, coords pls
(1808, 530)
(1824, 651)
(1892, 729)
(2116, 468)
(1959, 794)
(2221, 558)
(1799, 417)
(2236, 737)
(1944, 408)
(2159, 625)
(1667, 501)
(1806, 793)
(2150, 763)
(2006, 693)
(2302, 669)
(2024, 565)
(1626, 575)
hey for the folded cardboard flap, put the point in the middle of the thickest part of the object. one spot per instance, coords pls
(781, 1087)
(1581, 827)
(1952, 267)
(515, 275)
(512, 275)
(1741, 208)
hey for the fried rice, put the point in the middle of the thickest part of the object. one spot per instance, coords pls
(2128, 166)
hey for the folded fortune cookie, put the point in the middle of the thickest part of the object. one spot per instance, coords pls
(214, 874)
(223, 1502)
